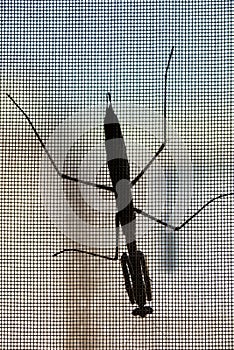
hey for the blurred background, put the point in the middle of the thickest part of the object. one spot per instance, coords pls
(58, 60)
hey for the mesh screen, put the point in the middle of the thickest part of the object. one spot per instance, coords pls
(58, 61)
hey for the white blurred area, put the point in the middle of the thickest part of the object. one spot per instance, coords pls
(78, 302)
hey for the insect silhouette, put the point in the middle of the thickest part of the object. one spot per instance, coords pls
(134, 265)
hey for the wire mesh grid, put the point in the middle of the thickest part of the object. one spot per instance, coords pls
(58, 61)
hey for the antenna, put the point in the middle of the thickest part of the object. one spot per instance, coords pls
(165, 94)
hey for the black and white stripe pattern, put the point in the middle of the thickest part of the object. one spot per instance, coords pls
(119, 169)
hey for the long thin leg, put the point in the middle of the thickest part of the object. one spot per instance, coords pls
(145, 272)
(63, 176)
(163, 223)
(203, 207)
(177, 228)
(95, 254)
(137, 178)
(127, 270)
(165, 96)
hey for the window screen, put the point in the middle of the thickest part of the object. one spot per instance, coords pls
(59, 59)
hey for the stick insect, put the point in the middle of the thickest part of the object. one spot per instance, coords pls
(134, 265)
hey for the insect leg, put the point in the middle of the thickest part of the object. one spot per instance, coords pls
(165, 96)
(203, 207)
(137, 281)
(177, 228)
(95, 254)
(137, 178)
(127, 271)
(161, 148)
(163, 223)
(145, 271)
(60, 174)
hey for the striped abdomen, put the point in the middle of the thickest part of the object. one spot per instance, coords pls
(120, 173)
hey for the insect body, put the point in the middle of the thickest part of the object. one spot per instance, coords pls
(134, 267)
(135, 270)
